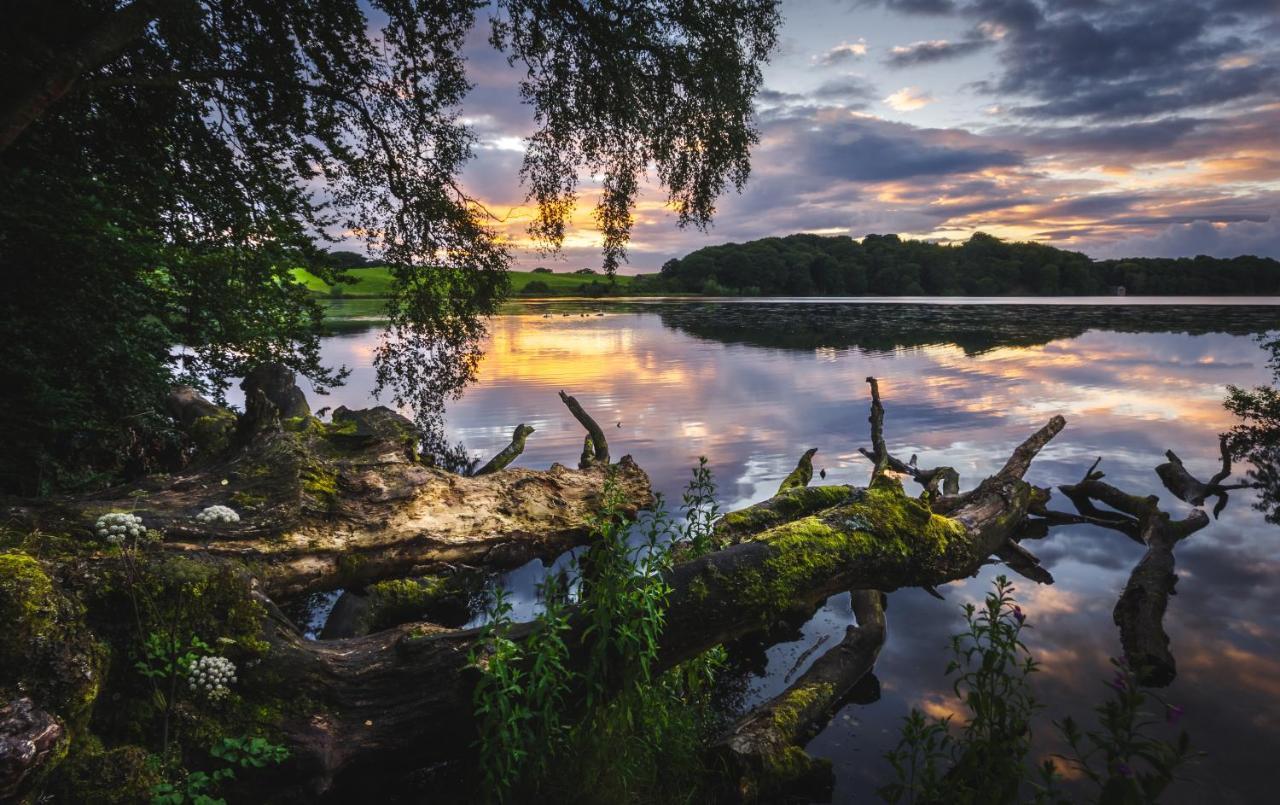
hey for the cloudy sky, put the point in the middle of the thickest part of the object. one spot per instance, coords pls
(1114, 127)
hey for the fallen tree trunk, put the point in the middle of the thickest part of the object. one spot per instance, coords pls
(401, 699)
(763, 751)
(1139, 613)
(346, 503)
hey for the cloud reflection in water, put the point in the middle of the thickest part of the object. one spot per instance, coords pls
(682, 389)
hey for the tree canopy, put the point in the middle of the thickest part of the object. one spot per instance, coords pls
(886, 265)
(165, 163)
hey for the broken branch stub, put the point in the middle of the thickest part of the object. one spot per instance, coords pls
(802, 474)
(1189, 489)
(599, 453)
(509, 453)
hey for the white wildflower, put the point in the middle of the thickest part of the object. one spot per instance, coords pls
(116, 526)
(212, 676)
(218, 514)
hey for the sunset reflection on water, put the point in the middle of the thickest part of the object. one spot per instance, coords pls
(666, 396)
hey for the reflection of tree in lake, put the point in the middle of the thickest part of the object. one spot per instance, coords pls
(974, 328)
(1257, 438)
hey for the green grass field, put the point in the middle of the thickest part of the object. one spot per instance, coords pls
(376, 282)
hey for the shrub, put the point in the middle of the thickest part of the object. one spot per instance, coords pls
(535, 287)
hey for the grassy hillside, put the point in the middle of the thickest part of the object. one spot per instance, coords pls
(376, 282)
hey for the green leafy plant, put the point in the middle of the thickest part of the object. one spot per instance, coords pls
(1121, 757)
(199, 787)
(632, 734)
(985, 761)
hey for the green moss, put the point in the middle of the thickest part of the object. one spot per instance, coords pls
(788, 711)
(122, 775)
(698, 587)
(792, 770)
(321, 483)
(343, 427)
(27, 606)
(47, 652)
(248, 500)
(349, 567)
(787, 505)
(212, 434)
(876, 530)
(303, 424)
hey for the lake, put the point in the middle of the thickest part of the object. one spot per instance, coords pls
(752, 384)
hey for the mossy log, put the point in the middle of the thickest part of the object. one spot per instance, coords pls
(802, 474)
(509, 453)
(763, 750)
(396, 702)
(349, 503)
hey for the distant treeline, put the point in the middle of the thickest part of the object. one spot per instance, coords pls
(885, 265)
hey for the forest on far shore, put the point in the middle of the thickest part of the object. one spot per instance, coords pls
(886, 265)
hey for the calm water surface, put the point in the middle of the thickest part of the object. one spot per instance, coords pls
(751, 385)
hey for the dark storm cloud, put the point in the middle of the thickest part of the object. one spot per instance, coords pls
(1118, 61)
(918, 53)
(864, 149)
(912, 6)
(1126, 138)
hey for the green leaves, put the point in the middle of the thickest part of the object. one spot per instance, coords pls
(632, 736)
(986, 761)
(1122, 757)
(199, 787)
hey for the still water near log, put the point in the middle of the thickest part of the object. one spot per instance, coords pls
(747, 383)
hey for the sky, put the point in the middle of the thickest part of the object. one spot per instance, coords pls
(1113, 127)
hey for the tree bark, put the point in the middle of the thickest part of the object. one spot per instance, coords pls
(599, 452)
(57, 78)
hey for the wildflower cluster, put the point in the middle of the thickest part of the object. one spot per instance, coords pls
(117, 526)
(218, 514)
(212, 676)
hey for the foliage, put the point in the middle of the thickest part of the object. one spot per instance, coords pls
(165, 166)
(635, 735)
(375, 283)
(199, 787)
(885, 265)
(1135, 767)
(1257, 437)
(535, 287)
(986, 760)
(677, 90)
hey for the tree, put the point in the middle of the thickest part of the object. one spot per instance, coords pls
(165, 164)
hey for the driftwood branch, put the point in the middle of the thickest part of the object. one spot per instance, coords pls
(508, 453)
(1186, 487)
(764, 749)
(802, 474)
(879, 454)
(1139, 613)
(596, 451)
